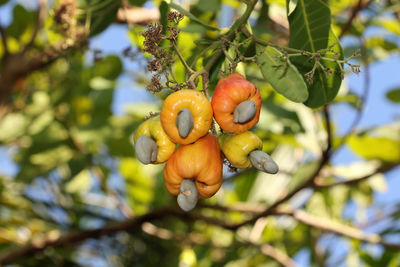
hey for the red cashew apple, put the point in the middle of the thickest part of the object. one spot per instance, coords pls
(236, 104)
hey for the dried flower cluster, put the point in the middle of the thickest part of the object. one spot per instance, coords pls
(175, 17)
(163, 59)
(65, 16)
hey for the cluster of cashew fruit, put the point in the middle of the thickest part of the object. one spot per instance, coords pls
(194, 169)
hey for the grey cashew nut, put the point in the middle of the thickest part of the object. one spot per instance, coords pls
(184, 122)
(244, 112)
(188, 195)
(263, 162)
(146, 149)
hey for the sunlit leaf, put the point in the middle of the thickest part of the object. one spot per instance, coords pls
(378, 183)
(80, 183)
(41, 122)
(380, 148)
(12, 126)
(290, 5)
(99, 83)
(390, 24)
(52, 157)
(187, 257)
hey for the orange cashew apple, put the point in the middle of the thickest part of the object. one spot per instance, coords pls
(186, 116)
(201, 163)
(152, 144)
(244, 151)
(236, 104)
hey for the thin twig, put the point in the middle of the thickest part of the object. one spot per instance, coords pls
(39, 22)
(328, 225)
(188, 69)
(328, 129)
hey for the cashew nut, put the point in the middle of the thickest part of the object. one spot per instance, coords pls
(244, 112)
(184, 122)
(146, 149)
(188, 195)
(263, 162)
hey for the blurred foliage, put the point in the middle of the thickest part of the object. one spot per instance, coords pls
(76, 167)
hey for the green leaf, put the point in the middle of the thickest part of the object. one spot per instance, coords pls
(309, 25)
(244, 183)
(286, 80)
(164, 8)
(22, 19)
(330, 85)
(192, 17)
(2, 2)
(310, 31)
(394, 95)
(100, 14)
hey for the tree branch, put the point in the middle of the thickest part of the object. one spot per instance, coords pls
(328, 225)
(129, 225)
(354, 12)
(74, 237)
(137, 15)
